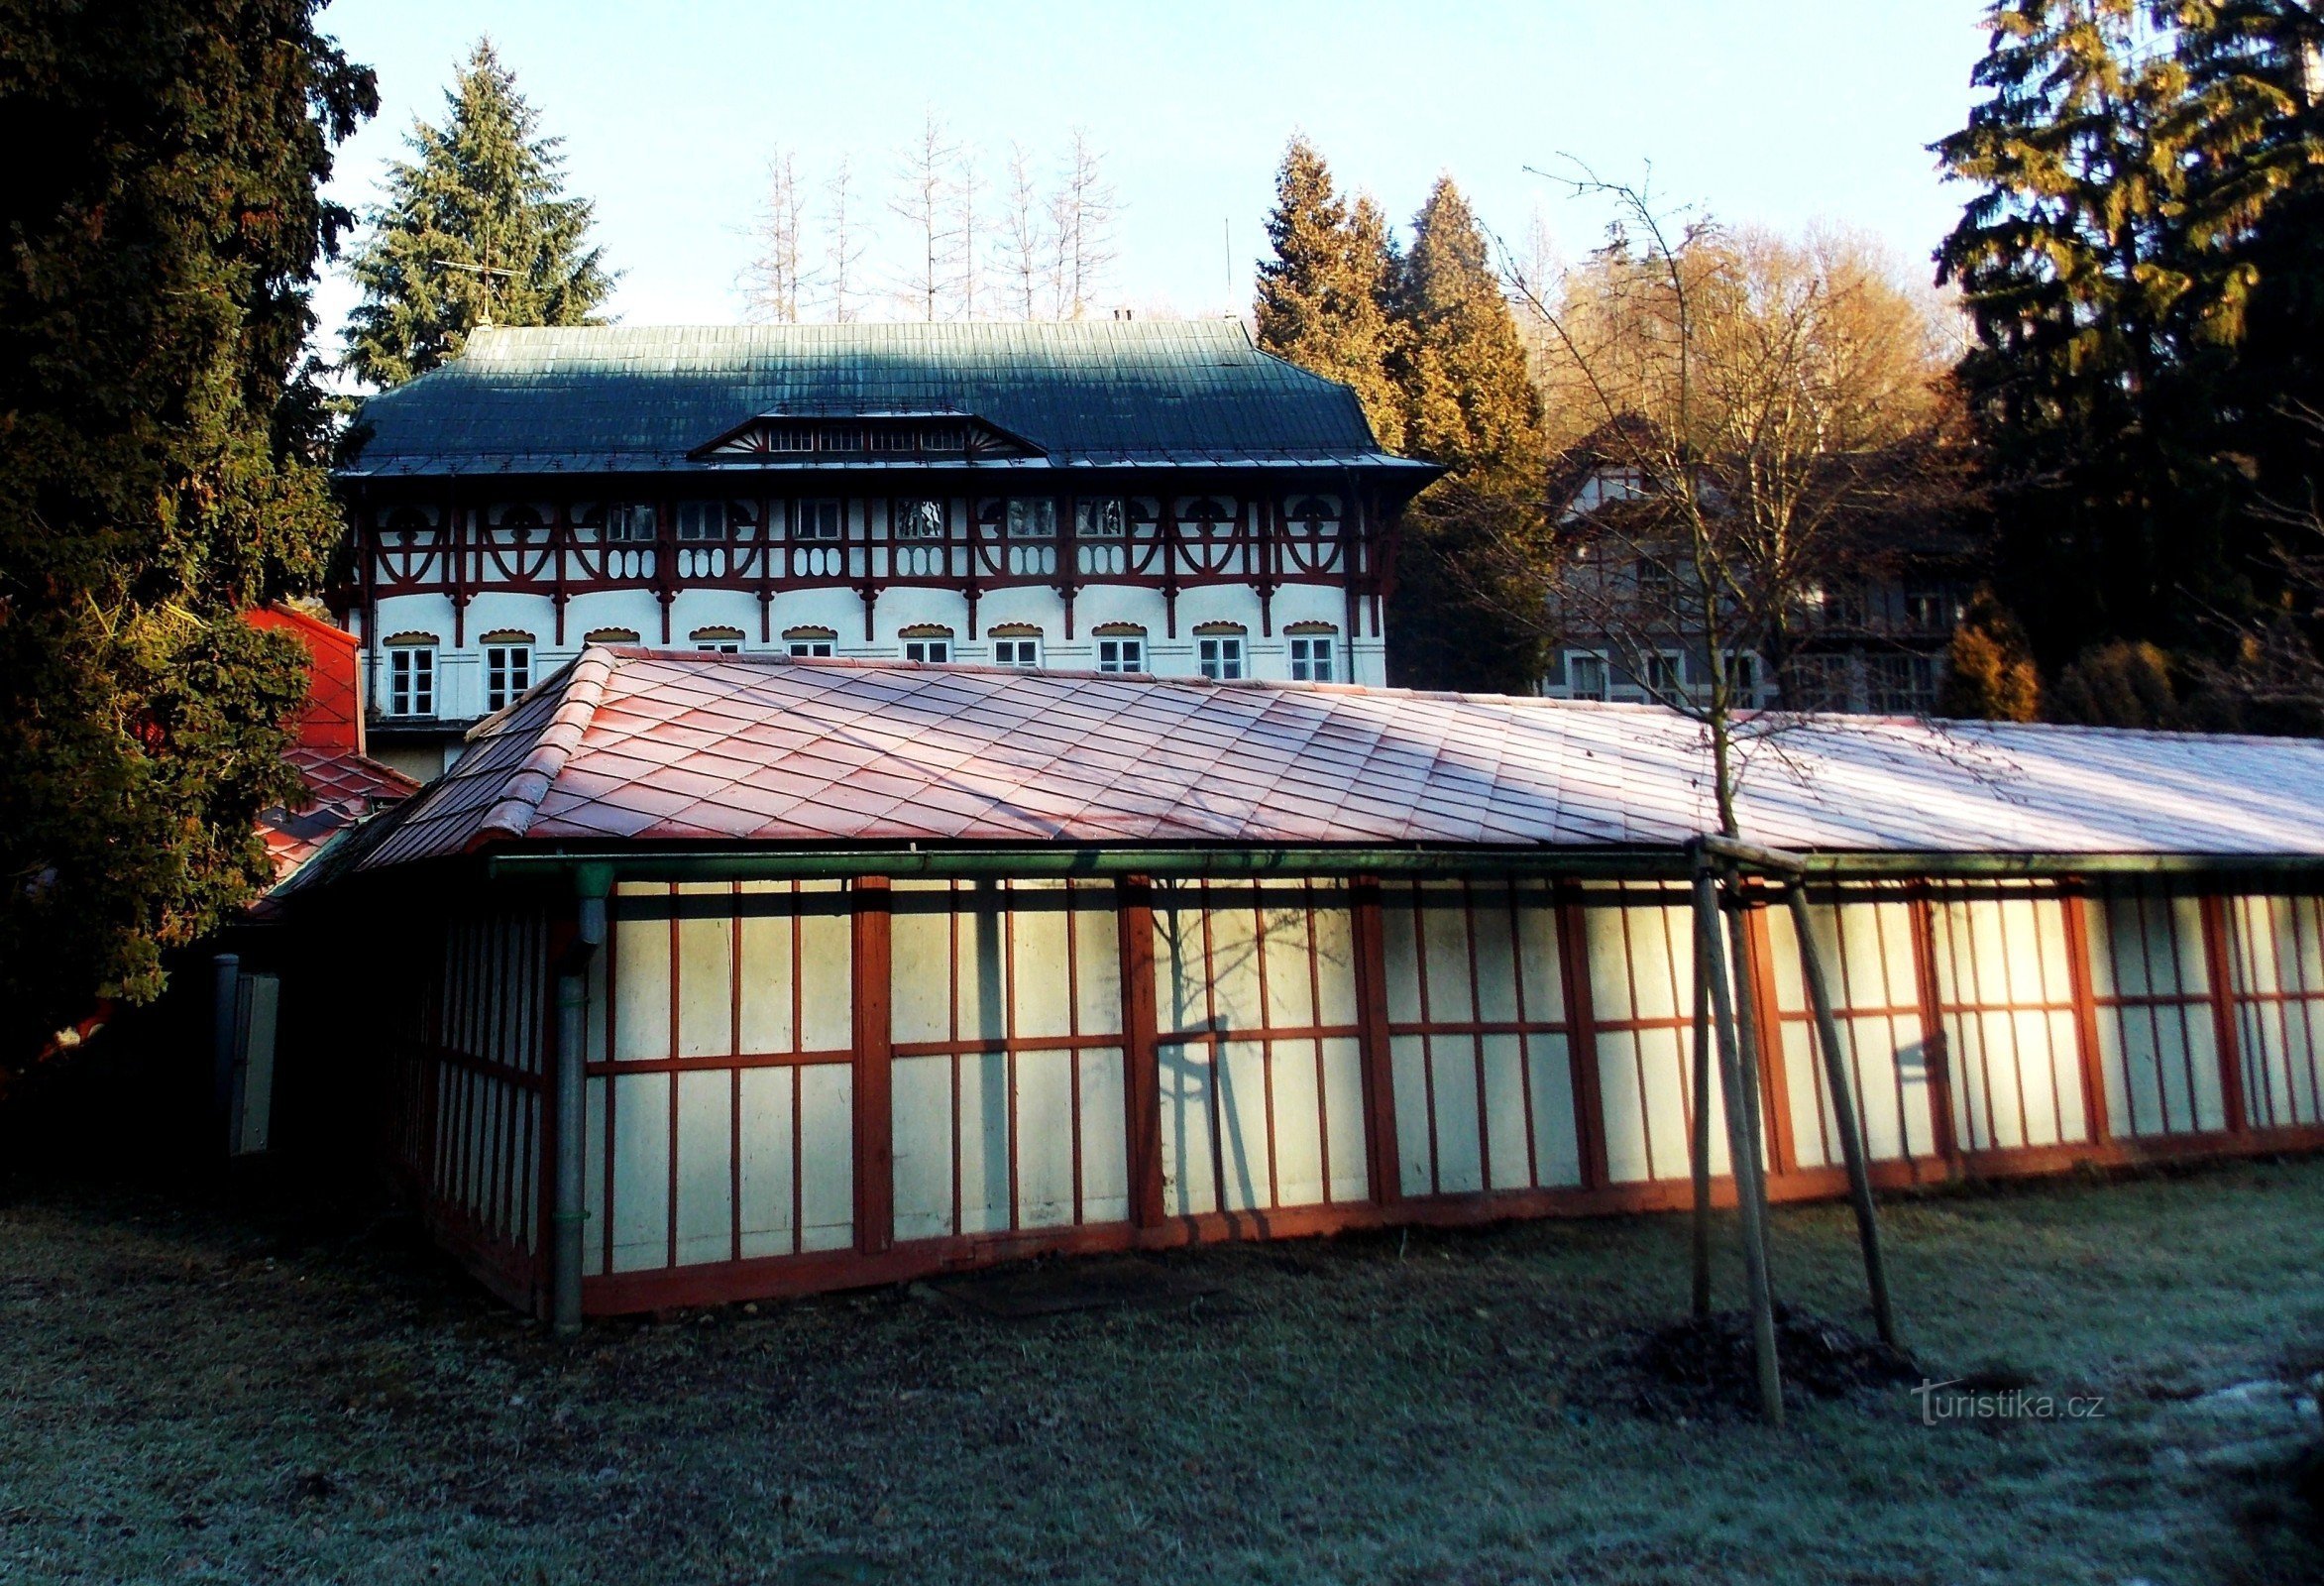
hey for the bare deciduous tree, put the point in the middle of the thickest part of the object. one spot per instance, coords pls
(1081, 227)
(1023, 245)
(1735, 409)
(774, 282)
(967, 231)
(842, 244)
(924, 202)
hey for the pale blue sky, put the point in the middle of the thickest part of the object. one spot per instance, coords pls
(1778, 112)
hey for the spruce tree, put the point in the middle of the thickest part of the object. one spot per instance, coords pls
(1323, 297)
(1469, 401)
(2093, 267)
(1470, 404)
(476, 228)
(153, 485)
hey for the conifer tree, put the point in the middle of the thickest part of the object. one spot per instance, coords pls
(151, 485)
(1323, 298)
(475, 228)
(1460, 369)
(1469, 402)
(2101, 298)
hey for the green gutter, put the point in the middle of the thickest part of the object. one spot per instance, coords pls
(762, 861)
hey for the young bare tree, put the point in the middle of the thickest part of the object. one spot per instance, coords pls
(924, 202)
(843, 245)
(1082, 211)
(773, 282)
(1023, 245)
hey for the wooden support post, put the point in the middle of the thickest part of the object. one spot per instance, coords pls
(1573, 936)
(1934, 1049)
(1843, 1109)
(1372, 1038)
(1135, 912)
(1699, 1137)
(1744, 1152)
(875, 1135)
(1747, 1015)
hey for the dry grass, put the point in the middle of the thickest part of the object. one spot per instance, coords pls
(238, 1392)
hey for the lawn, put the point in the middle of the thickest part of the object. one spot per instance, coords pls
(240, 1389)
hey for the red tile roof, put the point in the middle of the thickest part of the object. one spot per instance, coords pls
(634, 745)
(342, 789)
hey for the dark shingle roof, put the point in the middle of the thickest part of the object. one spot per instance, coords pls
(639, 397)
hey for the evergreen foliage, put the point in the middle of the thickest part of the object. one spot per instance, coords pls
(156, 475)
(1468, 403)
(476, 228)
(1989, 669)
(2151, 174)
(1324, 297)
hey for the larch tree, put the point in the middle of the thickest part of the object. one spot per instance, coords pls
(1022, 247)
(922, 200)
(775, 281)
(155, 480)
(475, 228)
(1323, 298)
(843, 245)
(1082, 209)
(1467, 401)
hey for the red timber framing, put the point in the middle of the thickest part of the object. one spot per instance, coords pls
(551, 537)
(795, 1085)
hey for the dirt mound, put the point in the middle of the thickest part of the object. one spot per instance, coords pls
(1700, 1366)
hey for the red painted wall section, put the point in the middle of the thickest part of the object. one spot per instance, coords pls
(333, 719)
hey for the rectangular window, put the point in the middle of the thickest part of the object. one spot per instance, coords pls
(1099, 520)
(630, 524)
(920, 519)
(1221, 659)
(1743, 675)
(411, 680)
(1031, 518)
(507, 673)
(1121, 656)
(1662, 677)
(1016, 652)
(893, 441)
(842, 438)
(810, 649)
(700, 522)
(1903, 685)
(935, 651)
(1311, 659)
(720, 646)
(1658, 581)
(1586, 675)
(944, 439)
(819, 520)
(790, 438)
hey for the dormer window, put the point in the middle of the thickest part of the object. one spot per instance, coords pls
(789, 437)
(943, 438)
(842, 438)
(894, 440)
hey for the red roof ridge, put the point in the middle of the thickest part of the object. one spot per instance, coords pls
(529, 783)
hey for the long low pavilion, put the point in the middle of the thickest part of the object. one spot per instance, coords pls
(847, 971)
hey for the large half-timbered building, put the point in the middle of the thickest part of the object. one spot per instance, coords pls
(1123, 497)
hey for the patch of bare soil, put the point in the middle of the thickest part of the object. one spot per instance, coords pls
(1707, 1366)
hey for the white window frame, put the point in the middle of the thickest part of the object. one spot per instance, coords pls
(1590, 663)
(701, 523)
(808, 650)
(931, 652)
(1221, 656)
(1314, 658)
(720, 646)
(411, 681)
(630, 524)
(1121, 654)
(1024, 653)
(507, 675)
(918, 520)
(821, 523)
